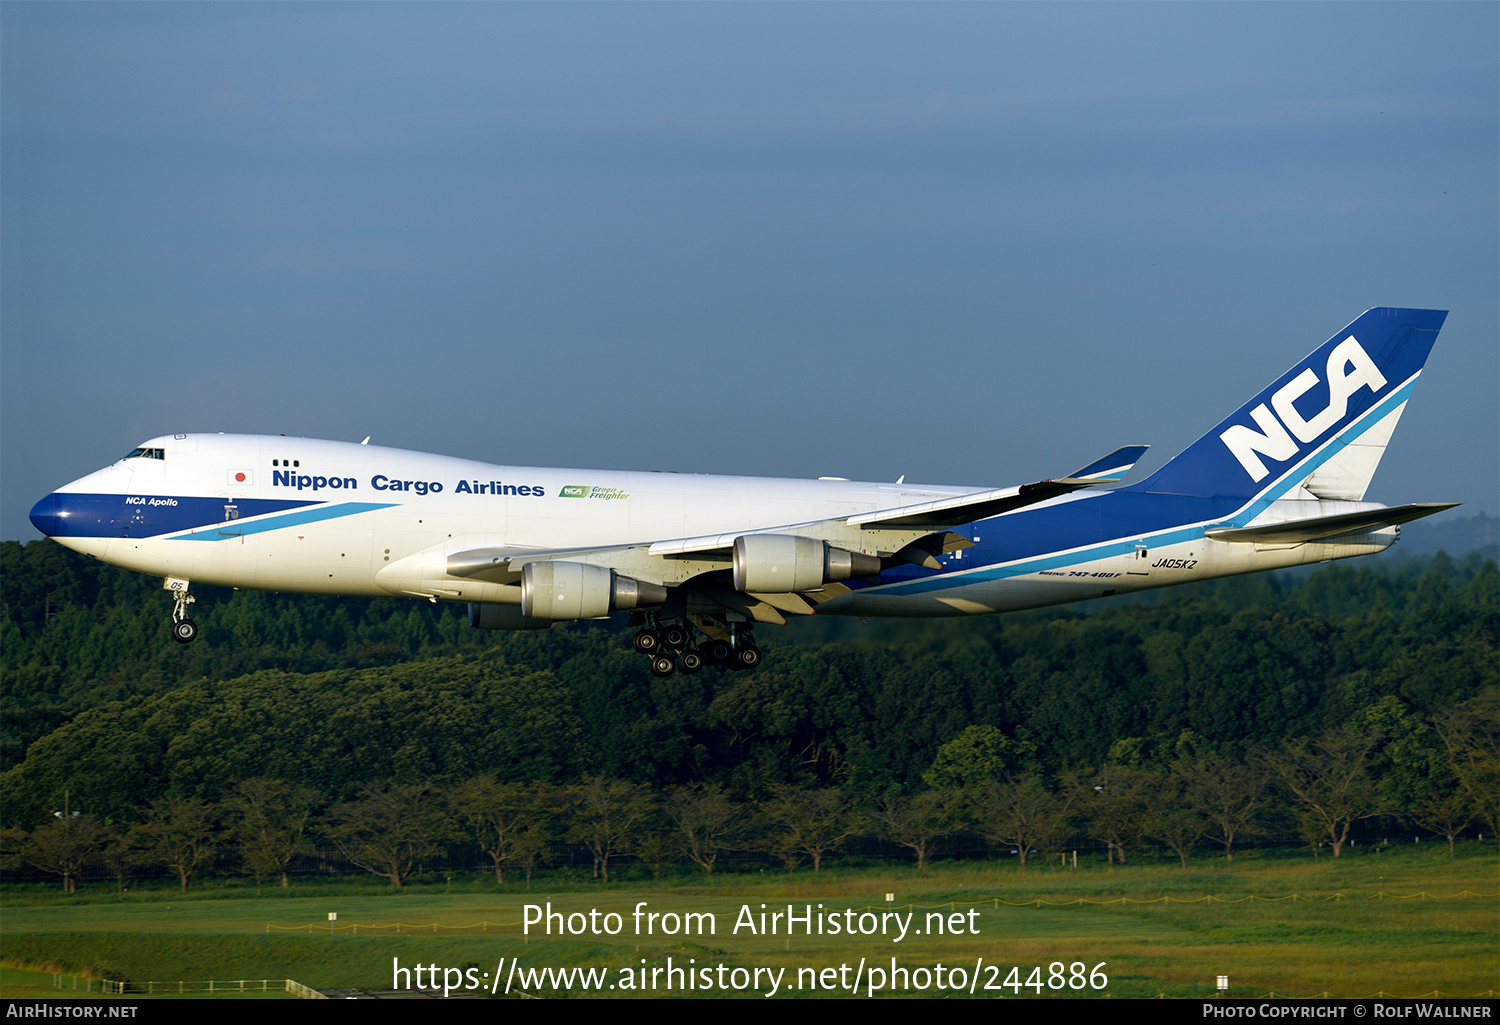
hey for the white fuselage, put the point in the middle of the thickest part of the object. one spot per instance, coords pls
(323, 517)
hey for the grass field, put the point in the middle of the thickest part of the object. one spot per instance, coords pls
(1401, 922)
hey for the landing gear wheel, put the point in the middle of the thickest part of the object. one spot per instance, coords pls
(714, 653)
(747, 657)
(647, 642)
(676, 637)
(184, 630)
(663, 665)
(689, 661)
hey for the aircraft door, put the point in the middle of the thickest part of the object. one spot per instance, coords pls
(1137, 564)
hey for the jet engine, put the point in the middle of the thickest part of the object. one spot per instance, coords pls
(579, 590)
(782, 563)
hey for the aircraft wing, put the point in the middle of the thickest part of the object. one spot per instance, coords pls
(982, 505)
(910, 533)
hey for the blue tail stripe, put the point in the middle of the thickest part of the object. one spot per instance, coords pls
(1331, 448)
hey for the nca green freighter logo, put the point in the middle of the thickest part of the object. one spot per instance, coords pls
(589, 491)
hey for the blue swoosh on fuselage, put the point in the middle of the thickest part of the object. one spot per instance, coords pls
(239, 528)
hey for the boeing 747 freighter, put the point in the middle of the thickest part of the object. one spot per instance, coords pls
(700, 560)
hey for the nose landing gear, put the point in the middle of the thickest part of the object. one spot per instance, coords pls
(184, 630)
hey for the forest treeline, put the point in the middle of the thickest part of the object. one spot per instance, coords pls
(345, 697)
(982, 793)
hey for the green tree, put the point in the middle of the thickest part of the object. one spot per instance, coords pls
(1331, 783)
(609, 817)
(271, 819)
(1470, 735)
(917, 821)
(179, 833)
(497, 813)
(1116, 802)
(1022, 813)
(388, 830)
(1170, 818)
(532, 849)
(1228, 794)
(708, 821)
(814, 822)
(62, 846)
(978, 755)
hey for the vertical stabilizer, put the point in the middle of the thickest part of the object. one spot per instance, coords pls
(1324, 424)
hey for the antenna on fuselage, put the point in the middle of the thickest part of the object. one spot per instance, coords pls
(366, 441)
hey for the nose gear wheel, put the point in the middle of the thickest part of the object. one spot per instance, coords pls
(184, 630)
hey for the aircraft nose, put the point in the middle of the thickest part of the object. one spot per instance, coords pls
(44, 515)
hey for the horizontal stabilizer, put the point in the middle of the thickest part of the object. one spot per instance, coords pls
(1319, 527)
(1115, 465)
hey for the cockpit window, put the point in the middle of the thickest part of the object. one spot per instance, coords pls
(147, 453)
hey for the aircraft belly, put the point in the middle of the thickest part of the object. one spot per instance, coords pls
(97, 547)
(145, 555)
(313, 562)
(1003, 588)
(1009, 588)
(961, 599)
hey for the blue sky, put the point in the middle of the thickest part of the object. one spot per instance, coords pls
(968, 243)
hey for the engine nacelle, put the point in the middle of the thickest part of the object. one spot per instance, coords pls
(489, 616)
(581, 590)
(782, 563)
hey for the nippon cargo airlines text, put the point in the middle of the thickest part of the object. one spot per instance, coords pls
(381, 482)
(700, 562)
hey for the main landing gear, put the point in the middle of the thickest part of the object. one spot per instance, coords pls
(184, 630)
(671, 649)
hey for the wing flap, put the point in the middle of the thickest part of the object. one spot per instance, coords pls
(748, 605)
(791, 603)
